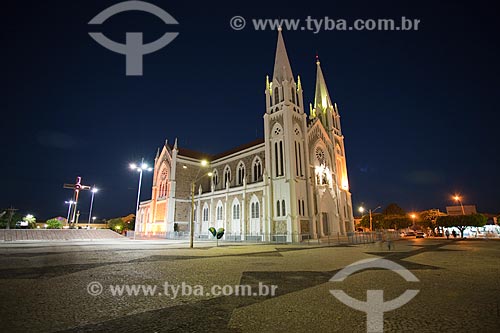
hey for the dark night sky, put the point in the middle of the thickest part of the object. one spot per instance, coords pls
(419, 109)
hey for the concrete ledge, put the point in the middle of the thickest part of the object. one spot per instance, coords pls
(50, 234)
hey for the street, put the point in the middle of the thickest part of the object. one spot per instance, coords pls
(49, 286)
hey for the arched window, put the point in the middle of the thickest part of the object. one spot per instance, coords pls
(236, 211)
(219, 215)
(257, 169)
(162, 190)
(241, 173)
(276, 96)
(281, 159)
(227, 175)
(255, 211)
(205, 213)
(293, 94)
(283, 209)
(278, 210)
(215, 177)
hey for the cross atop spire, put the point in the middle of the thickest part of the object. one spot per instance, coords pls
(282, 68)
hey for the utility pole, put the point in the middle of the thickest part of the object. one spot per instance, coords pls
(11, 211)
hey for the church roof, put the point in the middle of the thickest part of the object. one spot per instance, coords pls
(212, 157)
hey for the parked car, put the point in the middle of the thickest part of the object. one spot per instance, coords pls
(420, 235)
(410, 234)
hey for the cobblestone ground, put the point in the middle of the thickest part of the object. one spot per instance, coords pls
(44, 287)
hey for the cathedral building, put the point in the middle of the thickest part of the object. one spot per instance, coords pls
(290, 186)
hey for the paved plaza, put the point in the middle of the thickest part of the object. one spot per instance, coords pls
(51, 286)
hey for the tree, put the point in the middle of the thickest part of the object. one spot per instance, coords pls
(4, 220)
(393, 209)
(428, 219)
(377, 221)
(461, 222)
(116, 224)
(31, 221)
(54, 224)
(397, 222)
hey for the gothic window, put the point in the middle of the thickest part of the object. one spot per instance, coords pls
(278, 211)
(215, 177)
(163, 183)
(301, 173)
(236, 211)
(293, 95)
(219, 212)
(303, 208)
(241, 173)
(205, 214)
(281, 159)
(276, 95)
(300, 211)
(277, 131)
(255, 210)
(227, 175)
(296, 160)
(283, 208)
(257, 170)
(276, 162)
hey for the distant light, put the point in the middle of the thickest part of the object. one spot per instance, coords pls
(361, 209)
(95, 190)
(413, 216)
(184, 167)
(93, 218)
(456, 197)
(29, 216)
(204, 162)
(133, 166)
(144, 166)
(210, 174)
(150, 169)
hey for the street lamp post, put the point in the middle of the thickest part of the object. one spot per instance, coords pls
(69, 203)
(94, 191)
(370, 211)
(203, 163)
(139, 168)
(459, 200)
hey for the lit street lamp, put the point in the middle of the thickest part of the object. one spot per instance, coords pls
(203, 163)
(413, 217)
(458, 199)
(139, 168)
(69, 203)
(362, 209)
(94, 191)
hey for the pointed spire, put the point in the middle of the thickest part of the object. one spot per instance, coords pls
(157, 153)
(175, 144)
(282, 68)
(166, 142)
(321, 98)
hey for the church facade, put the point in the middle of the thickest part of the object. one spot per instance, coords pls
(290, 186)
